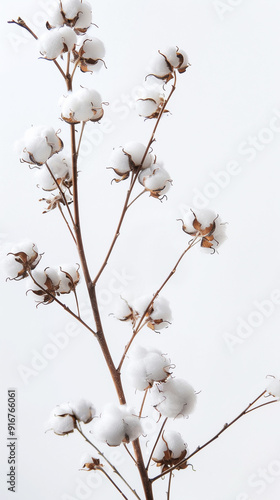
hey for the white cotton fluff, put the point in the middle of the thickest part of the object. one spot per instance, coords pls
(40, 277)
(171, 441)
(146, 366)
(56, 41)
(159, 317)
(11, 267)
(39, 144)
(62, 420)
(92, 51)
(206, 218)
(185, 61)
(27, 247)
(81, 106)
(159, 67)
(122, 311)
(174, 398)
(83, 410)
(117, 424)
(85, 16)
(171, 55)
(273, 388)
(60, 166)
(29, 256)
(155, 179)
(149, 103)
(128, 157)
(76, 13)
(66, 284)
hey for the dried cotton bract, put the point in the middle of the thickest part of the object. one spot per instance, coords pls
(170, 450)
(39, 144)
(207, 225)
(146, 366)
(116, 425)
(81, 106)
(174, 398)
(21, 260)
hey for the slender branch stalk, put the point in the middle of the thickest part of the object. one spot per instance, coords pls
(107, 460)
(169, 486)
(66, 222)
(113, 482)
(156, 442)
(226, 426)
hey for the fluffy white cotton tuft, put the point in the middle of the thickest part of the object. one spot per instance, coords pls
(117, 424)
(158, 315)
(174, 398)
(81, 106)
(206, 224)
(83, 410)
(156, 180)
(273, 388)
(39, 144)
(150, 103)
(56, 41)
(172, 442)
(146, 366)
(62, 420)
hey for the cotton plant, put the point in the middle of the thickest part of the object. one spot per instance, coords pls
(147, 371)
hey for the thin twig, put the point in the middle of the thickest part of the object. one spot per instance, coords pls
(107, 460)
(130, 454)
(66, 222)
(77, 302)
(113, 482)
(80, 138)
(199, 448)
(156, 442)
(61, 192)
(140, 325)
(169, 486)
(136, 198)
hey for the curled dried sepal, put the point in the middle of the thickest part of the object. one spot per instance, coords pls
(54, 202)
(207, 225)
(39, 144)
(156, 180)
(44, 284)
(170, 450)
(93, 464)
(69, 278)
(23, 259)
(90, 55)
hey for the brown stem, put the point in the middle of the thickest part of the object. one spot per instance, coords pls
(199, 448)
(169, 486)
(66, 222)
(111, 480)
(61, 192)
(143, 402)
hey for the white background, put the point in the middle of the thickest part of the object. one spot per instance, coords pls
(228, 97)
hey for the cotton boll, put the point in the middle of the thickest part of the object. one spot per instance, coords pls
(156, 180)
(39, 144)
(117, 424)
(174, 398)
(141, 304)
(70, 8)
(85, 17)
(147, 366)
(83, 410)
(69, 37)
(273, 388)
(149, 103)
(62, 421)
(21, 259)
(170, 54)
(161, 315)
(91, 54)
(184, 64)
(136, 151)
(123, 311)
(172, 441)
(51, 44)
(160, 68)
(69, 278)
(82, 105)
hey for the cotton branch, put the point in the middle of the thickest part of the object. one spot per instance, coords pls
(248, 409)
